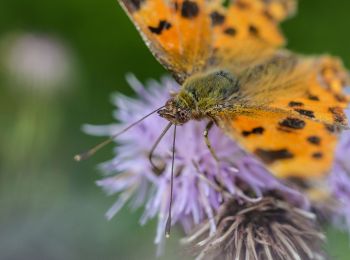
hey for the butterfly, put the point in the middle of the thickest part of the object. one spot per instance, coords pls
(284, 108)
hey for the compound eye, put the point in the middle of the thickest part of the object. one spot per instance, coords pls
(182, 114)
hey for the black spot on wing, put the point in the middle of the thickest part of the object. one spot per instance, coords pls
(314, 140)
(317, 155)
(271, 156)
(230, 31)
(217, 18)
(133, 5)
(293, 123)
(254, 131)
(305, 112)
(253, 30)
(312, 97)
(189, 9)
(163, 25)
(295, 104)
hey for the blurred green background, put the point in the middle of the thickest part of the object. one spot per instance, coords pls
(50, 207)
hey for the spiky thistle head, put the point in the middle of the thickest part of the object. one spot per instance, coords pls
(270, 229)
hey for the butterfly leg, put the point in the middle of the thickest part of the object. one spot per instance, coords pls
(207, 141)
(212, 151)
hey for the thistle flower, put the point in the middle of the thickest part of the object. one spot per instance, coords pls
(269, 229)
(202, 187)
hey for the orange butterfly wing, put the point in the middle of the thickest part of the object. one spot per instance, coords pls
(188, 36)
(247, 31)
(176, 31)
(301, 141)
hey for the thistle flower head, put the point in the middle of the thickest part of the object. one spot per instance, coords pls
(269, 229)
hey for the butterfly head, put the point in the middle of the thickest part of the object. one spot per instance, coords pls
(176, 111)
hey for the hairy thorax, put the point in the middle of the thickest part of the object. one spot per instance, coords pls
(200, 96)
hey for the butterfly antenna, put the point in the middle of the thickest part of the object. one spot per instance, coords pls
(168, 222)
(150, 157)
(93, 150)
